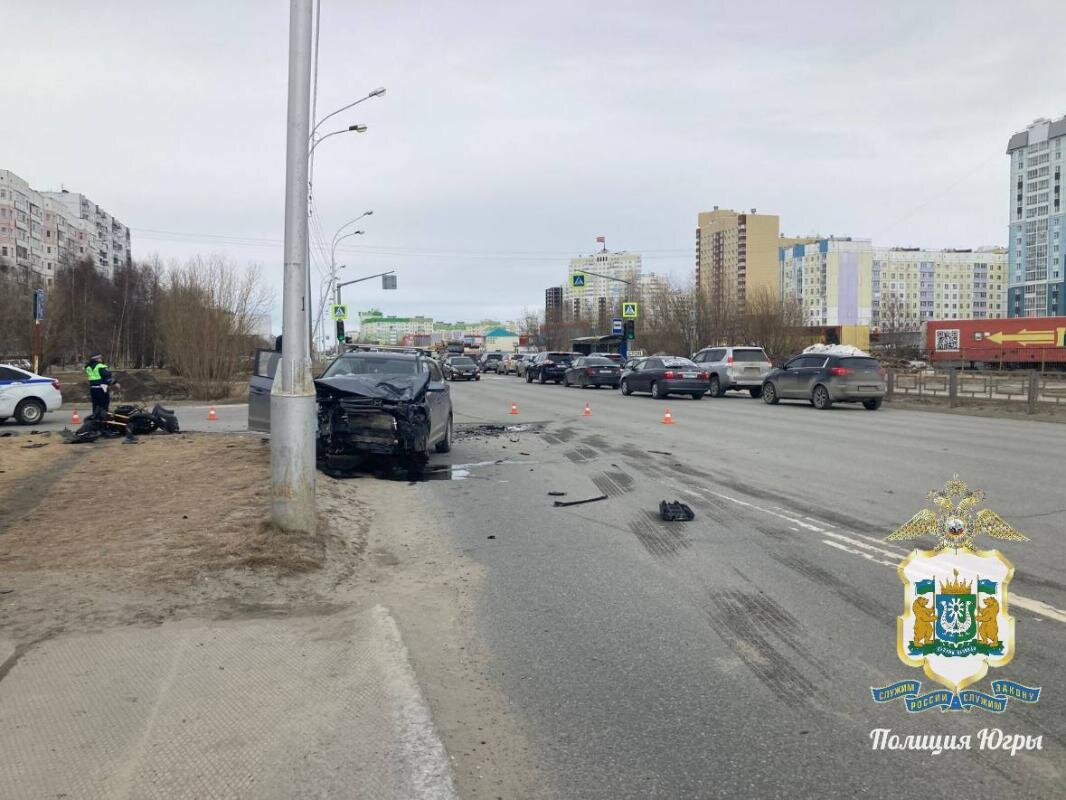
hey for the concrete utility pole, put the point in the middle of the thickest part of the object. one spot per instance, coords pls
(292, 398)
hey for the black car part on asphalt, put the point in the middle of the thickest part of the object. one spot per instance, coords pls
(675, 512)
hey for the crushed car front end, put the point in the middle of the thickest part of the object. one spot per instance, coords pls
(359, 417)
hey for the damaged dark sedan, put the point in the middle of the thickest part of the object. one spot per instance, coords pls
(381, 403)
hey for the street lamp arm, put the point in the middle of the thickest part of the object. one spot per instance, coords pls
(337, 241)
(356, 128)
(376, 93)
(350, 222)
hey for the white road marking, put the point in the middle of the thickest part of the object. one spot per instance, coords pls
(871, 552)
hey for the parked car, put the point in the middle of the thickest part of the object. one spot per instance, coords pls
(26, 396)
(825, 378)
(593, 371)
(490, 362)
(391, 403)
(546, 367)
(520, 365)
(460, 368)
(615, 357)
(734, 368)
(665, 375)
(511, 363)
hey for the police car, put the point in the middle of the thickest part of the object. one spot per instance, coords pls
(26, 396)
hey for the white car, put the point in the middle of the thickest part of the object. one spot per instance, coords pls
(26, 396)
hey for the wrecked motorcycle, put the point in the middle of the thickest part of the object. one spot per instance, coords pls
(128, 420)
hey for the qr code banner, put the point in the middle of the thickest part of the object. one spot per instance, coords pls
(947, 339)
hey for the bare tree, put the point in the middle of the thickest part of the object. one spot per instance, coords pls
(773, 323)
(207, 319)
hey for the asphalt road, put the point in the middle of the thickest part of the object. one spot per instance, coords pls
(732, 656)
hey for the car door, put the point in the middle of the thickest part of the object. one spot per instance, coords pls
(809, 373)
(438, 398)
(259, 386)
(787, 380)
(650, 370)
(573, 372)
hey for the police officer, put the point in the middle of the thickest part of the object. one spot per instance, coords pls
(100, 383)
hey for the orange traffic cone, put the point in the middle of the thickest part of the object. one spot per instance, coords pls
(668, 418)
(74, 418)
(514, 409)
(211, 415)
(588, 411)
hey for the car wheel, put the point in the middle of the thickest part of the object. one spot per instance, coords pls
(697, 395)
(657, 393)
(29, 411)
(624, 386)
(820, 398)
(872, 404)
(769, 394)
(445, 444)
(529, 377)
(476, 378)
(756, 392)
(542, 378)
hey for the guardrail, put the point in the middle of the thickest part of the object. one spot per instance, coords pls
(959, 387)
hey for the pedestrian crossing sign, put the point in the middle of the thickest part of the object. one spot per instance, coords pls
(629, 310)
(577, 280)
(340, 312)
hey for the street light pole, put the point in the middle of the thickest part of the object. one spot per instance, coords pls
(292, 397)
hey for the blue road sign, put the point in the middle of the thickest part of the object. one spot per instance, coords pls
(577, 280)
(616, 325)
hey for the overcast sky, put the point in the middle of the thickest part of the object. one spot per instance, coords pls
(513, 134)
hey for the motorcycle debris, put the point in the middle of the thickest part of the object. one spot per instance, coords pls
(34, 445)
(561, 503)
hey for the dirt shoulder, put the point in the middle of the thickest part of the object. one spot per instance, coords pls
(107, 535)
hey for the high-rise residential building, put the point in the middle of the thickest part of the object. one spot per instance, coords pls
(846, 281)
(553, 305)
(1037, 221)
(736, 255)
(112, 237)
(831, 278)
(610, 278)
(41, 230)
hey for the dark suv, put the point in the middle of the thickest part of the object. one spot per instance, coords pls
(826, 378)
(548, 367)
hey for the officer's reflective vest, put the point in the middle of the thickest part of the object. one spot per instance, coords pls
(93, 371)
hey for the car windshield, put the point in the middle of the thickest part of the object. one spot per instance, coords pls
(462, 362)
(362, 365)
(675, 362)
(749, 355)
(598, 361)
(559, 357)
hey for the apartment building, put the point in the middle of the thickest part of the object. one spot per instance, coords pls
(112, 244)
(736, 254)
(553, 305)
(41, 230)
(846, 281)
(1037, 285)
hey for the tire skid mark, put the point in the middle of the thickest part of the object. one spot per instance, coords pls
(658, 539)
(749, 622)
(613, 484)
(845, 590)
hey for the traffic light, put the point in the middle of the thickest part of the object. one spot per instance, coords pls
(630, 328)
(340, 330)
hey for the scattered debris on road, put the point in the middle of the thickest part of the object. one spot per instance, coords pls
(34, 445)
(660, 452)
(560, 503)
(556, 494)
(675, 512)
